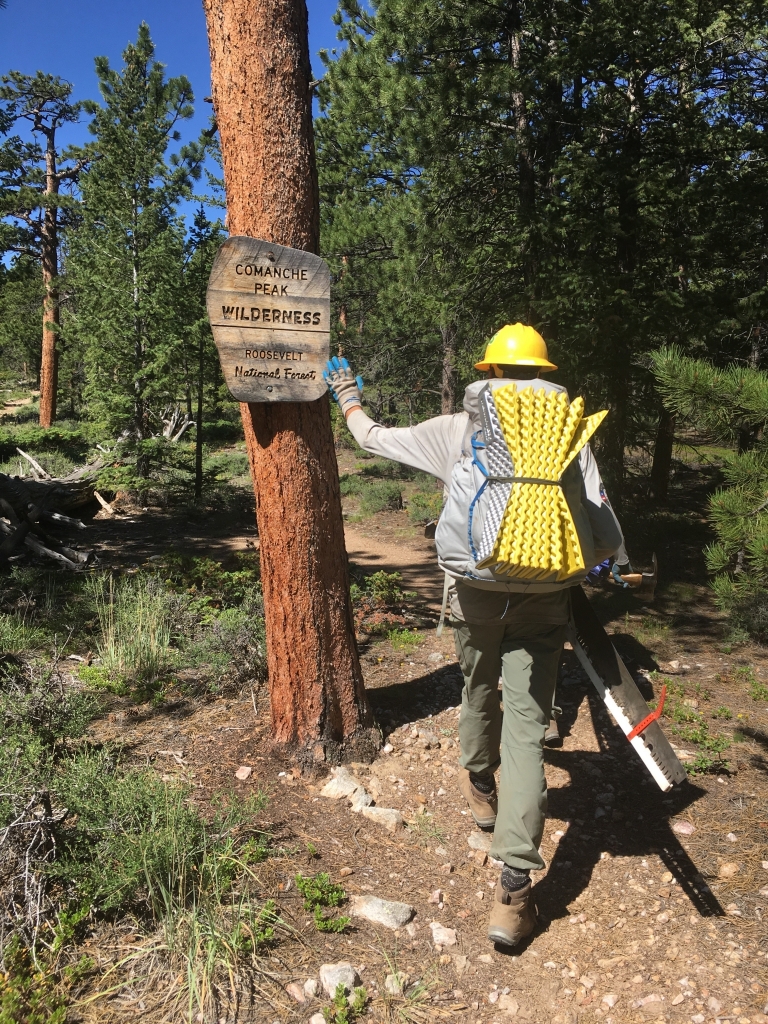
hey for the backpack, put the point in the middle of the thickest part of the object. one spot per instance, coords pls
(507, 524)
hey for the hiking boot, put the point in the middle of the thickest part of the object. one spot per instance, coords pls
(484, 807)
(552, 737)
(513, 915)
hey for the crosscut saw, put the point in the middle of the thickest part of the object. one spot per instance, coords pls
(610, 677)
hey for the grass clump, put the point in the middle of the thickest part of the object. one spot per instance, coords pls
(427, 829)
(136, 627)
(94, 838)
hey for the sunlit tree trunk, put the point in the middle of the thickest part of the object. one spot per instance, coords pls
(49, 260)
(262, 96)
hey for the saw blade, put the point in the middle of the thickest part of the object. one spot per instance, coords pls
(610, 676)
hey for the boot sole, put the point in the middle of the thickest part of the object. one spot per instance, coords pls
(505, 939)
(484, 822)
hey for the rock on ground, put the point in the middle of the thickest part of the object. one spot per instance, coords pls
(386, 816)
(311, 988)
(360, 798)
(480, 841)
(442, 936)
(333, 975)
(384, 912)
(395, 983)
(342, 783)
(296, 992)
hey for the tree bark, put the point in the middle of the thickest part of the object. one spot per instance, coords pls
(448, 387)
(49, 259)
(525, 166)
(662, 457)
(262, 99)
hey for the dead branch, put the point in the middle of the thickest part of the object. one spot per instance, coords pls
(38, 470)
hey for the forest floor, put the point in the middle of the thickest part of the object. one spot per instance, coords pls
(653, 906)
(639, 921)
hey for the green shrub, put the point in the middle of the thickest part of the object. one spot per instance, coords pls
(37, 441)
(319, 892)
(375, 495)
(404, 639)
(385, 469)
(350, 484)
(380, 496)
(343, 1010)
(233, 644)
(385, 587)
(227, 465)
(29, 994)
(425, 507)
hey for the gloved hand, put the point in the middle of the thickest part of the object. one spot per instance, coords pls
(345, 387)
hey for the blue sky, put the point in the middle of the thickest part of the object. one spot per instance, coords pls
(62, 37)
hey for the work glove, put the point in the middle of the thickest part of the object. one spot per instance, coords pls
(345, 387)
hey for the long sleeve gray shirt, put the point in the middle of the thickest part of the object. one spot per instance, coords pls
(436, 445)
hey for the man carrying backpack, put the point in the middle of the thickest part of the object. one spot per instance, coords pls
(514, 540)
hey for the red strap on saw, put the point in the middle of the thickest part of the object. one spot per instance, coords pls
(642, 726)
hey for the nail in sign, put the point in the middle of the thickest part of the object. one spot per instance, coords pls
(270, 311)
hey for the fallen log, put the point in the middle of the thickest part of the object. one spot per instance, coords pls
(63, 493)
(26, 502)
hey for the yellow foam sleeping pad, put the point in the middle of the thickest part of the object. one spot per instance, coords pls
(544, 434)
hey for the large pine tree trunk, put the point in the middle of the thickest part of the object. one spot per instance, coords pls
(49, 258)
(263, 104)
(49, 355)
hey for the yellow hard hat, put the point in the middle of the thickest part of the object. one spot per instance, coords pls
(516, 345)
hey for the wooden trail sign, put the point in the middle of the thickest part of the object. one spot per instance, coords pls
(270, 311)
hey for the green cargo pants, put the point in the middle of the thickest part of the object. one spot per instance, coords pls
(526, 652)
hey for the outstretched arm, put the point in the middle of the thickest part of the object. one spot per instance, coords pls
(433, 446)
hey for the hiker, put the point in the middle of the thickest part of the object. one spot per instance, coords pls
(503, 625)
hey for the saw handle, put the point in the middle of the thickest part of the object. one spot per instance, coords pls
(654, 715)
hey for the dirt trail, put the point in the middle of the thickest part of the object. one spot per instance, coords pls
(653, 906)
(411, 555)
(12, 407)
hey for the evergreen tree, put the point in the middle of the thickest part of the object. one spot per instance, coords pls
(33, 208)
(21, 295)
(127, 256)
(730, 406)
(200, 358)
(594, 170)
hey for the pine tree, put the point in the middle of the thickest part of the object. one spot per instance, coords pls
(596, 170)
(729, 406)
(200, 358)
(21, 295)
(32, 203)
(261, 77)
(127, 256)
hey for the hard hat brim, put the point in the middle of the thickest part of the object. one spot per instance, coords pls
(533, 361)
